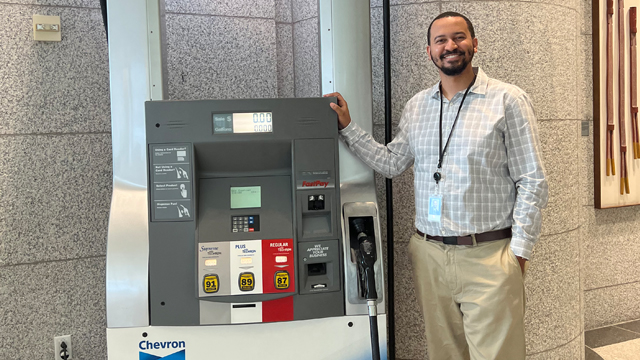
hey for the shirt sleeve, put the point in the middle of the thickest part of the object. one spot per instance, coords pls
(390, 160)
(524, 158)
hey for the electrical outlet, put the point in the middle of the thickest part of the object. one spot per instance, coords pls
(60, 353)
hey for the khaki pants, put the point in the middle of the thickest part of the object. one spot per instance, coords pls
(472, 299)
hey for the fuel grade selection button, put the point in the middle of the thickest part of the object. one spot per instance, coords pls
(246, 281)
(281, 280)
(210, 283)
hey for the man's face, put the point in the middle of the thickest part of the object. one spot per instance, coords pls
(452, 47)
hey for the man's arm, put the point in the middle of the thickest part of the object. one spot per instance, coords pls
(527, 171)
(390, 160)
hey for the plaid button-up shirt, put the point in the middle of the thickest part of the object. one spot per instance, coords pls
(492, 172)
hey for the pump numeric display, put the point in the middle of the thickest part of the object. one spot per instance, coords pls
(243, 123)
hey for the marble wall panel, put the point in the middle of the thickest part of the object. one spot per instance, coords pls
(71, 3)
(88, 308)
(377, 66)
(553, 316)
(55, 192)
(585, 78)
(585, 110)
(570, 4)
(304, 9)
(306, 58)
(586, 169)
(610, 247)
(611, 305)
(524, 49)
(284, 33)
(574, 350)
(44, 300)
(411, 68)
(586, 17)
(559, 141)
(244, 8)
(284, 11)
(53, 87)
(403, 199)
(221, 57)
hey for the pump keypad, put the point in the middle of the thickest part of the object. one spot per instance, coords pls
(245, 223)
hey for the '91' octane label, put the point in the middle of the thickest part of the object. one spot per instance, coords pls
(210, 283)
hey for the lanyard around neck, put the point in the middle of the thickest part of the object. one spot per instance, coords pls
(437, 175)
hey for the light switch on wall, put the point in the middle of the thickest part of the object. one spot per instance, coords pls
(46, 28)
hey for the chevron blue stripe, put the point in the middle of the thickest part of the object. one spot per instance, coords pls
(180, 355)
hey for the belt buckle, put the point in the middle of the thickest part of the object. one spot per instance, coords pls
(450, 240)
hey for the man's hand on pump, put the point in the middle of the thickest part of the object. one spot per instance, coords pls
(344, 119)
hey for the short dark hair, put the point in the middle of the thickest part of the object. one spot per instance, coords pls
(451, 14)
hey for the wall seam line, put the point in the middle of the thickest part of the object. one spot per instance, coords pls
(51, 261)
(512, 2)
(293, 51)
(547, 120)
(562, 232)
(311, 18)
(610, 286)
(52, 6)
(616, 325)
(55, 134)
(224, 16)
(557, 347)
(479, 1)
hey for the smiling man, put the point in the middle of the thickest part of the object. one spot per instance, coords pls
(479, 191)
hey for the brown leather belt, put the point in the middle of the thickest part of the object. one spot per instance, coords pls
(468, 240)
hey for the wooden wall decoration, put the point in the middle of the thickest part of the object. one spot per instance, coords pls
(615, 104)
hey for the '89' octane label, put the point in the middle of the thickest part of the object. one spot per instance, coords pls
(246, 281)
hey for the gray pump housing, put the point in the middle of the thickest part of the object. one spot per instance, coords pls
(202, 246)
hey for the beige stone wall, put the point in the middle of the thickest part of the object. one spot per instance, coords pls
(55, 170)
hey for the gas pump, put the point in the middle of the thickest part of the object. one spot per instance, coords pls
(247, 251)
(247, 230)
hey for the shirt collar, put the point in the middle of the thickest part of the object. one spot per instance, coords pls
(480, 86)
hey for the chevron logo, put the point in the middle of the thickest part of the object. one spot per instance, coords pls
(180, 355)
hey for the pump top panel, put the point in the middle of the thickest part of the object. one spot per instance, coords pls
(244, 211)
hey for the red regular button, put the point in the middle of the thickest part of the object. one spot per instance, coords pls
(250, 229)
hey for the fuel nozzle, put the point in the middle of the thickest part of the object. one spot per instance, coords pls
(363, 252)
(366, 257)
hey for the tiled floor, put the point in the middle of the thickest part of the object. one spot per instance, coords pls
(618, 342)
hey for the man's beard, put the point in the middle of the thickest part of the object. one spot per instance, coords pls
(454, 69)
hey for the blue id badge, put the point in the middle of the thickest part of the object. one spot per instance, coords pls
(435, 208)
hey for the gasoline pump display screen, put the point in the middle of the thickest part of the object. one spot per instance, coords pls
(245, 197)
(242, 123)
